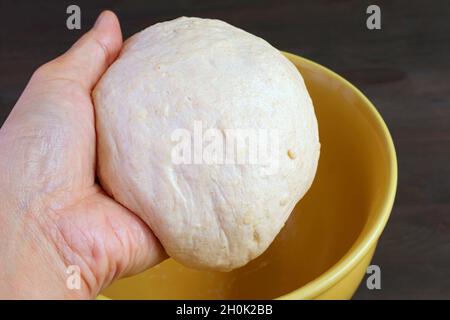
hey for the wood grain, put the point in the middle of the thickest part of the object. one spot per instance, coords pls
(403, 68)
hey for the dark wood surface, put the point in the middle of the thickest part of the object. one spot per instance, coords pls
(403, 68)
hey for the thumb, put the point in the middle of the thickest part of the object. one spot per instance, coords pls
(86, 61)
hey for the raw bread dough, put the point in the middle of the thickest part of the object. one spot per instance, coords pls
(188, 71)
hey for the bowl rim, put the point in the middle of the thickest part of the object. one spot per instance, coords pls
(367, 238)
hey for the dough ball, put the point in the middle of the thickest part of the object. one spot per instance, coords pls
(187, 78)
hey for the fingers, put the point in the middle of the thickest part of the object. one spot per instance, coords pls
(106, 240)
(86, 61)
(140, 247)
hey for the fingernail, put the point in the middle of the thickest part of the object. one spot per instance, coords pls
(99, 20)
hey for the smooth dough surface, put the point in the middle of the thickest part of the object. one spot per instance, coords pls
(169, 76)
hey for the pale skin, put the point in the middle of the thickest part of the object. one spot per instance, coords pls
(53, 212)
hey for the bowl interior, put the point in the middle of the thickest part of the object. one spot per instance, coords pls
(346, 197)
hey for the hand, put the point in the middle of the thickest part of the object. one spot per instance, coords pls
(53, 213)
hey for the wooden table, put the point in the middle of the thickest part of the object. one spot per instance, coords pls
(404, 68)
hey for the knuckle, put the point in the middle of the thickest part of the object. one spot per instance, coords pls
(103, 49)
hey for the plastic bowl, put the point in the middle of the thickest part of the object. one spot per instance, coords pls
(329, 240)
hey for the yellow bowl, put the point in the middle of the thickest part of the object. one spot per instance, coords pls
(329, 240)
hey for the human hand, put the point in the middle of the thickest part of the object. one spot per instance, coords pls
(53, 213)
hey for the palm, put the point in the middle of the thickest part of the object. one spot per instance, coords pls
(51, 142)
